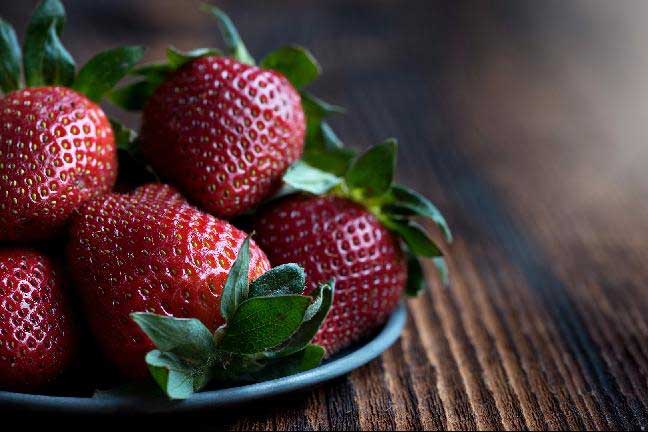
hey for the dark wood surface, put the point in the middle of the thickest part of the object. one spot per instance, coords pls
(526, 123)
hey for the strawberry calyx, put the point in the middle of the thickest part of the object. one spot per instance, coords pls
(368, 179)
(267, 334)
(45, 62)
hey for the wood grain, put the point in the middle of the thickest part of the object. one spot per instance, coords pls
(526, 123)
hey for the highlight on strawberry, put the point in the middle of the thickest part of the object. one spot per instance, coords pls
(57, 148)
(345, 218)
(220, 127)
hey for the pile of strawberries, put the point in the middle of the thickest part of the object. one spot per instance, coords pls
(163, 273)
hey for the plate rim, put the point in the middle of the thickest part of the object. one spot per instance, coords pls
(220, 397)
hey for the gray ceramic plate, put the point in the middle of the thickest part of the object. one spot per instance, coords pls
(129, 402)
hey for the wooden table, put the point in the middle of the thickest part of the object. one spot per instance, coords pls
(526, 123)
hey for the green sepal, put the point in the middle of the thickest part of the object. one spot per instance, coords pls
(312, 321)
(281, 280)
(133, 97)
(407, 202)
(372, 174)
(153, 71)
(179, 58)
(185, 337)
(236, 286)
(176, 377)
(45, 60)
(125, 138)
(302, 176)
(104, 70)
(415, 276)
(326, 151)
(414, 235)
(301, 361)
(442, 269)
(261, 323)
(235, 46)
(10, 58)
(322, 147)
(296, 63)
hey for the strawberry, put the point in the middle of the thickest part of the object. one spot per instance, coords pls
(222, 129)
(150, 251)
(203, 301)
(333, 237)
(37, 335)
(57, 148)
(224, 132)
(352, 228)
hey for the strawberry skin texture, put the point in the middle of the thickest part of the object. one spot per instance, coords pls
(223, 132)
(150, 251)
(57, 150)
(332, 237)
(38, 339)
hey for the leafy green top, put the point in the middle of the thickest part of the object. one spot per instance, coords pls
(45, 61)
(269, 326)
(296, 63)
(327, 167)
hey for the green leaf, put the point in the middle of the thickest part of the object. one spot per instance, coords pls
(296, 63)
(10, 56)
(284, 279)
(308, 358)
(415, 237)
(415, 276)
(46, 61)
(442, 269)
(313, 319)
(104, 70)
(133, 97)
(372, 173)
(235, 46)
(325, 151)
(236, 286)
(185, 337)
(177, 378)
(302, 176)
(261, 323)
(316, 109)
(409, 202)
(125, 138)
(178, 58)
(153, 71)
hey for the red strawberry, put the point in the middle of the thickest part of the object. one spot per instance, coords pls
(222, 129)
(57, 148)
(37, 336)
(334, 238)
(224, 132)
(150, 251)
(353, 236)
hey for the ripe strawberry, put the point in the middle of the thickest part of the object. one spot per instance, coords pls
(37, 335)
(221, 129)
(150, 251)
(57, 148)
(354, 236)
(335, 238)
(224, 132)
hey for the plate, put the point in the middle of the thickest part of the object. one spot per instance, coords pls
(130, 402)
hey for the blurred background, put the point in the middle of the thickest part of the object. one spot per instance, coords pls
(551, 96)
(526, 122)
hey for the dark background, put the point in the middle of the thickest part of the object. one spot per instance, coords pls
(526, 123)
